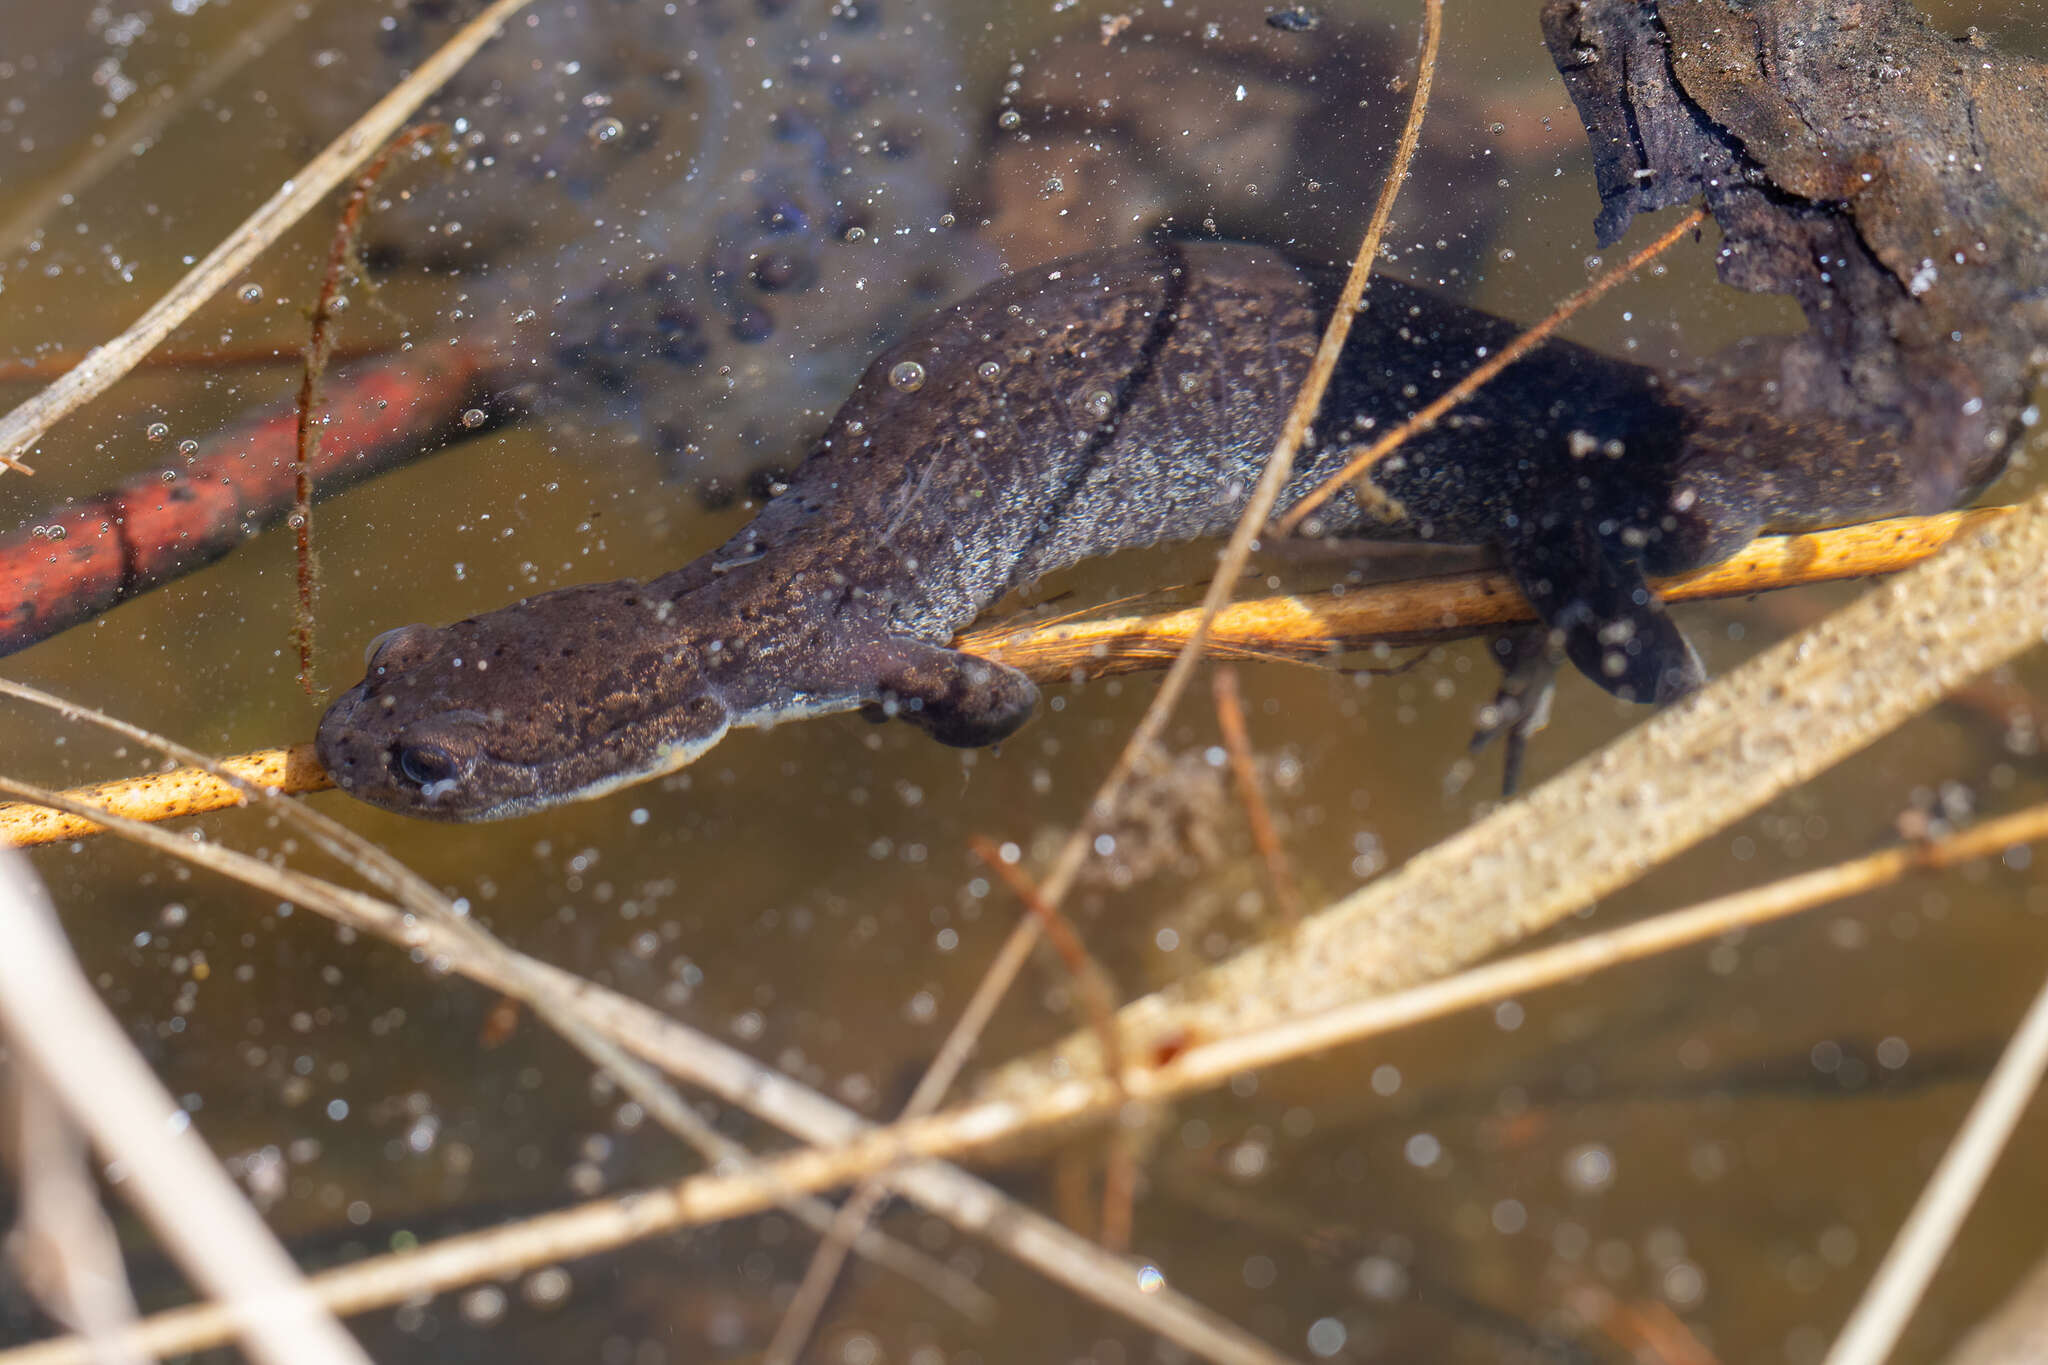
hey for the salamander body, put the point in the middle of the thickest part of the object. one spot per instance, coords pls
(1106, 402)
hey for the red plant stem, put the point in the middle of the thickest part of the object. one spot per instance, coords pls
(70, 564)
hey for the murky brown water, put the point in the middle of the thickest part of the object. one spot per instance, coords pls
(1732, 1131)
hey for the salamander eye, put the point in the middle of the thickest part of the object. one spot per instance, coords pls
(430, 765)
(385, 643)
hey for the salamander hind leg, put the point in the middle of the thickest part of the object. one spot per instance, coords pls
(1528, 659)
(1614, 626)
(957, 699)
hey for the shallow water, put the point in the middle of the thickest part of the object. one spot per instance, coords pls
(1732, 1131)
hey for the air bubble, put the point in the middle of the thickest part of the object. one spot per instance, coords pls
(606, 130)
(250, 293)
(188, 447)
(990, 369)
(156, 431)
(474, 418)
(1009, 118)
(1099, 402)
(907, 375)
(1589, 1168)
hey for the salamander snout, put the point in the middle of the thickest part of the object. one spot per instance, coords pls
(559, 697)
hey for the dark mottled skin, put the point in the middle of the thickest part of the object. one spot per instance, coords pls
(1106, 402)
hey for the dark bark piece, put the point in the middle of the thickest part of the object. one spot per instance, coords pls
(1651, 149)
(1889, 177)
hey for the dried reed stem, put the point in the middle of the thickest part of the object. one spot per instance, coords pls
(312, 404)
(1097, 989)
(1099, 1000)
(63, 1247)
(1888, 1301)
(684, 1053)
(1244, 770)
(605, 1223)
(56, 1026)
(520, 977)
(140, 126)
(104, 365)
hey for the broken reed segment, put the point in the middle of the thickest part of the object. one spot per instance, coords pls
(164, 796)
(1305, 627)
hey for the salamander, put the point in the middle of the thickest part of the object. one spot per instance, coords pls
(1105, 402)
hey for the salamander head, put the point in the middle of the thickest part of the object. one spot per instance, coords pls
(553, 699)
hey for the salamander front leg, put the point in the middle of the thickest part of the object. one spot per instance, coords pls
(957, 699)
(1615, 627)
